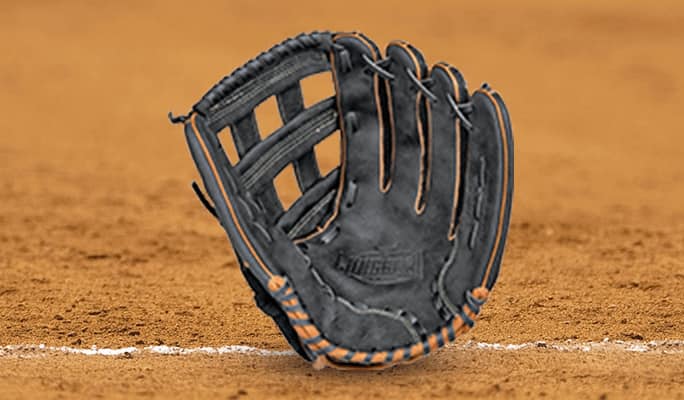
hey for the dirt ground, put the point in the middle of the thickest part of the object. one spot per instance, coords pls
(103, 243)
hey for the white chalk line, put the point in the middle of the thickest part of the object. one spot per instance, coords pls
(606, 345)
(33, 350)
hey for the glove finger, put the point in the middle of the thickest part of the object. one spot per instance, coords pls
(447, 146)
(486, 196)
(360, 104)
(409, 125)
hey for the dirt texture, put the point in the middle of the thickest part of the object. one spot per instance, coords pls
(103, 243)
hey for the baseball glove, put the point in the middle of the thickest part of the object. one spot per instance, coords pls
(392, 254)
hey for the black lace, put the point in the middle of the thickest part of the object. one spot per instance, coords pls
(203, 199)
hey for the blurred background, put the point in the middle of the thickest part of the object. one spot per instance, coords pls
(594, 87)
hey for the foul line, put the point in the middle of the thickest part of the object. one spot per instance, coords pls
(606, 345)
(29, 350)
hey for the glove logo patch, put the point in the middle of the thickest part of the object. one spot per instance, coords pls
(382, 269)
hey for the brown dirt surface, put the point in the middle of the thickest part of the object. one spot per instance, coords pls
(102, 242)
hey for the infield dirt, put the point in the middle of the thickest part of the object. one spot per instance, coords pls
(103, 243)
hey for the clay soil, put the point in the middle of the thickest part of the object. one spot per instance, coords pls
(103, 243)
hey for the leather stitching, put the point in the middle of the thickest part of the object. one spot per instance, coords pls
(365, 309)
